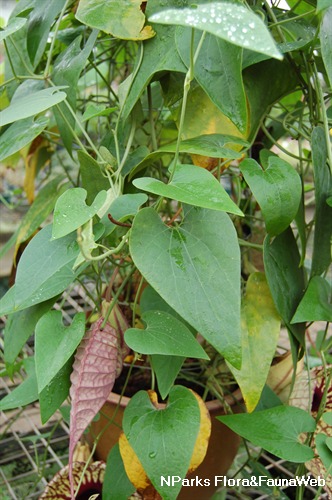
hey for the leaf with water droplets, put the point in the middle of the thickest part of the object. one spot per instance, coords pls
(98, 362)
(232, 22)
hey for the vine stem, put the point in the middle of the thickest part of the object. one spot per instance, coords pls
(186, 87)
(324, 116)
(117, 295)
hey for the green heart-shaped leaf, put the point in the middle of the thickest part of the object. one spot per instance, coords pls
(260, 333)
(196, 269)
(71, 211)
(163, 439)
(166, 368)
(32, 104)
(234, 23)
(192, 185)
(166, 335)
(315, 304)
(277, 189)
(276, 430)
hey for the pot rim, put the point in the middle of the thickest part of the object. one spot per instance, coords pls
(213, 405)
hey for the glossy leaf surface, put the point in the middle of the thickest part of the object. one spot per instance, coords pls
(164, 334)
(191, 185)
(277, 189)
(276, 430)
(32, 105)
(260, 332)
(196, 269)
(233, 23)
(71, 211)
(163, 439)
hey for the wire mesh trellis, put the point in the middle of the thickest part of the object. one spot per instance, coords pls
(32, 453)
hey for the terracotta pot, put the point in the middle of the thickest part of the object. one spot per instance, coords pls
(223, 445)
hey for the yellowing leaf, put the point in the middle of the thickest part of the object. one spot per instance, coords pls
(33, 161)
(121, 18)
(203, 117)
(203, 437)
(133, 466)
(260, 331)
